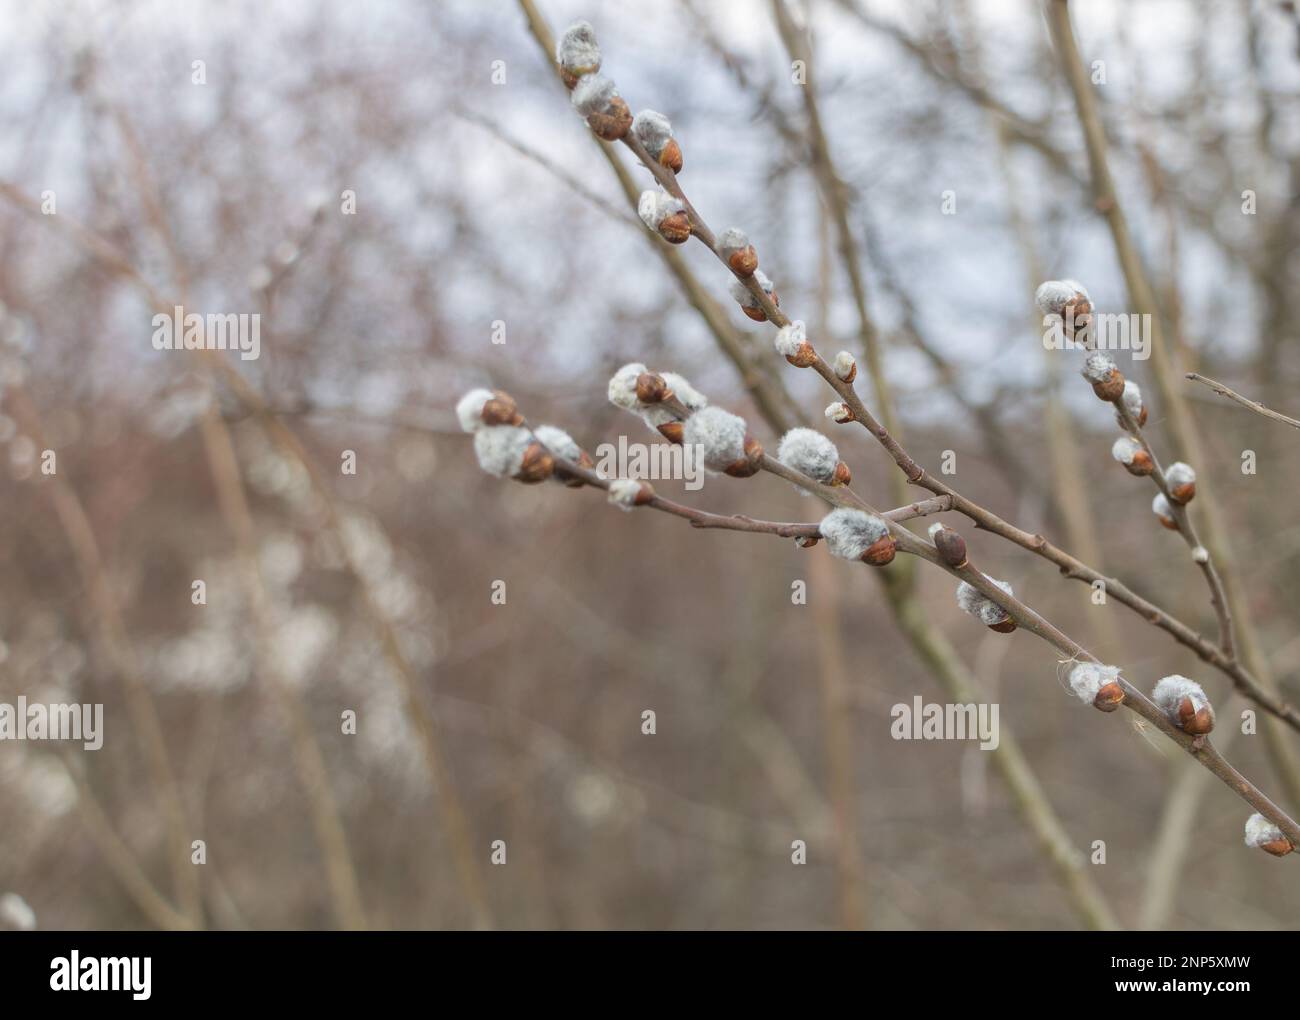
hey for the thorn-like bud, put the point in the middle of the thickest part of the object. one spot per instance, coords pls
(791, 342)
(1129, 452)
(857, 535)
(626, 493)
(748, 302)
(1181, 481)
(845, 367)
(1097, 685)
(739, 253)
(1164, 512)
(596, 98)
(840, 413)
(1185, 703)
(666, 215)
(655, 132)
(984, 609)
(951, 546)
(1264, 835)
(1107, 381)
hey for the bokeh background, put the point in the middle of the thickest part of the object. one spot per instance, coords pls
(482, 201)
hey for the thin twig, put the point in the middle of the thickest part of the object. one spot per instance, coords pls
(1246, 402)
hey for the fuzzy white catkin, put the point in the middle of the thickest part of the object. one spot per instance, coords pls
(742, 295)
(838, 411)
(1087, 678)
(500, 449)
(790, 338)
(720, 433)
(16, 914)
(809, 452)
(558, 442)
(622, 386)
(1179, 473)
(1259, 830)
(1160, 506)
(654, 131)
(469, 409)
(593, 94)
(577, 50)
(657, 206)
(934, 529)
(1132, 398)
(978, 605)
(733, 240)
(844, 364)
(1052, 296)
(1098, 367)
(1171, 690)
(623, 493)
(850, 533)
(656, 415)
(691, 398)
(1125, 449)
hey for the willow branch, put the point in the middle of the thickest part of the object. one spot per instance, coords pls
(1246, 402)
(1023, 615)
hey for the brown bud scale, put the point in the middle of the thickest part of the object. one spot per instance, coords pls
(675, 229)
(501, 410)
(744, 262)
(952, 547)
(1109, 697)
(613, 122)
(670, 156)
(1140, 465)
(672, 431)
(1111, 388)
(881, 552)
(1194, 721)
(750, 464)
(537, 466)
(651, 388)
(805, 356)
